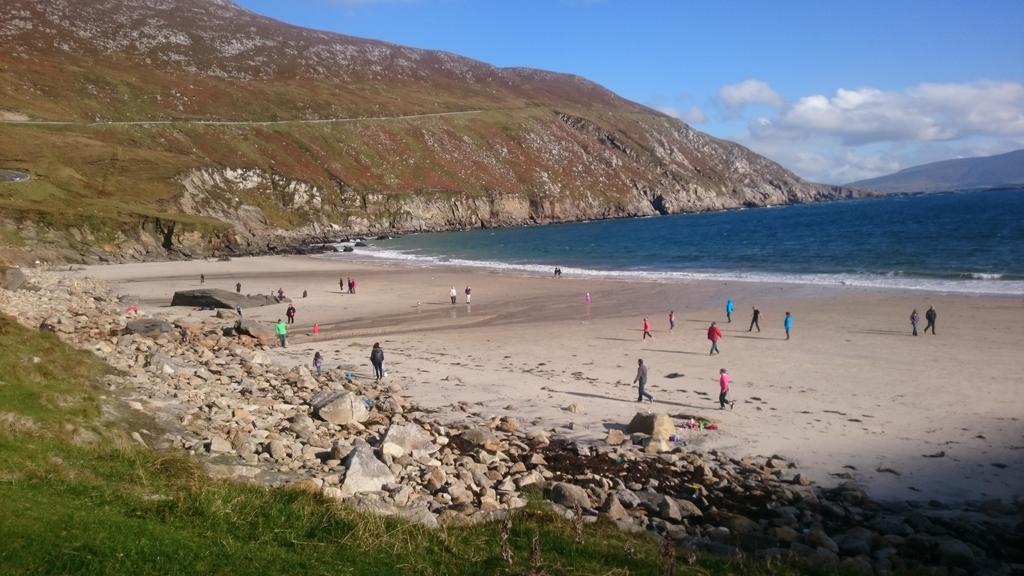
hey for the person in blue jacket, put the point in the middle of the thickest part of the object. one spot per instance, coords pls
(728, 309)
(788, 324)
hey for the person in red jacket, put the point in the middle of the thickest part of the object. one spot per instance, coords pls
(714, 334)
(647, 330)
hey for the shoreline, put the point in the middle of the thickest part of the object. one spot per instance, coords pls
(837, 280)
(852, 389)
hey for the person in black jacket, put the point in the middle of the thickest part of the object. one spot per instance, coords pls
(930, 316)
(377, 359)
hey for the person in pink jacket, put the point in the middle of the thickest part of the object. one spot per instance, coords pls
(723, 384)
(647, 329)
(714, 334)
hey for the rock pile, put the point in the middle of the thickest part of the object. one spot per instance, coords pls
(219, 396)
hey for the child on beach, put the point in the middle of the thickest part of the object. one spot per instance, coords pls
(671, 320)
(647, 330)
(914, 319)
(728, 310)
(714, 334)
(787, 323)
(723, 384)
(318, 362)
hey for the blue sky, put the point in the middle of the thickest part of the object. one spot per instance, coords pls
(835, 91)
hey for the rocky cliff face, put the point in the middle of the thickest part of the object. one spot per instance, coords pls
(195, 127)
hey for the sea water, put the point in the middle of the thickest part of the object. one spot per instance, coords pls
(958, 242)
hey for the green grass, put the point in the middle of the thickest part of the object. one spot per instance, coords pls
(113, 507)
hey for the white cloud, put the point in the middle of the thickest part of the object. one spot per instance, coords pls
(749, 92)
(864, 132)
(694, 115)
(926, 112)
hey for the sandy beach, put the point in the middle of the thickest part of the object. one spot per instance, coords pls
(851, 396)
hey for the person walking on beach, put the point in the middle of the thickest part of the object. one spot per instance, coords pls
(723, 393)
(728, 310)
(714, 334)
(341, 285)
(318, 362)
(377, 359)
(671, 320)
(914, 319)
(238, 310)
(754, 320)
(282, 333)
(641, 380)
(352, 286)
(290, 314)
(930, 315)
(453, 294)
(238, 287)
(469, 295)
(280, 294)
(202, 278)
(647, 330)
(787, 323)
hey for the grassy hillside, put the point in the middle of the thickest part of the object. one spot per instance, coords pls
(164, 128)
(78, 496)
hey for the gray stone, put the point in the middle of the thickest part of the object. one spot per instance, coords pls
(615, 437)
(218, 444)
(261, 331)
(364, 472)
(343, 408)
(149, 327)
(409, 439)
(217, 298)
(669, 510)
(953, 552)
(481, 437)
(568, 495)
(855, 541)
(658, 425)
(12, 279)
(277, 450)
(613, 509)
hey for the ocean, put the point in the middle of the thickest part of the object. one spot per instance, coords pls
(957, 242)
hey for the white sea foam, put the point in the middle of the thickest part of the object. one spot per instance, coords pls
(978, 284)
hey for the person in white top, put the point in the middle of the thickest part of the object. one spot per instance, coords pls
(453, 294)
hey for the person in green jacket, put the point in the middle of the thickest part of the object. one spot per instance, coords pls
(282, 332)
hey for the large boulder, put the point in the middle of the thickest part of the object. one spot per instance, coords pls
(402, 439)
(364, 472)
(217, 298)
(340, 407)
(482, 438)
(657, 425)
(149, 327)
(569, 495)
(12, 279)
(261, 331)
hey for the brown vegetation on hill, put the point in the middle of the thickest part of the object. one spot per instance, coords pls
(156, 128)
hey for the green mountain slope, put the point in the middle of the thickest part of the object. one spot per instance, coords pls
(159, 128)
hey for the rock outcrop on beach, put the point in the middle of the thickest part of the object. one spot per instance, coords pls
(194, 127)
(221, 399)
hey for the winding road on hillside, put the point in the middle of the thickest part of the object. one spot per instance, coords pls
(237, 122)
